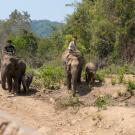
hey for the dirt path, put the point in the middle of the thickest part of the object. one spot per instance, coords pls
(42, 116)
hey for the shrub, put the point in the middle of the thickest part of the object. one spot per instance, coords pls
(100, 75)
(113, 81)
(102, 101)
(131, 87)
(121, 72)
(51, 76)
(130, 69)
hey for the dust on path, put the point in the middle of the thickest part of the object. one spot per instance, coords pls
(41, 115)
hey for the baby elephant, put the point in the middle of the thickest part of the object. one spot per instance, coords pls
(26, 81)
(90, 72)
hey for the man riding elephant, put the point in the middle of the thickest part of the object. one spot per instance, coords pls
(73, 65)
(9, 48)
(12, 71)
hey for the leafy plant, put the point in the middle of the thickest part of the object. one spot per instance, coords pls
(100, 76)
(51, 76)
(131, 87)
(102, 101)
(121, 72)
(113, 81)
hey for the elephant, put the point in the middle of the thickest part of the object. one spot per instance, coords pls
(90, 72)
(26, 81)
(73, 67)
(12, 70)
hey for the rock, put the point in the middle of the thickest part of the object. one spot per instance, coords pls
(52, 101)
(115, 95)
(45, 130)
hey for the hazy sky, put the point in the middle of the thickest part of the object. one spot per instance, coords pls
(54, 10)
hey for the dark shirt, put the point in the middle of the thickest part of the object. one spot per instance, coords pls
(10, 49)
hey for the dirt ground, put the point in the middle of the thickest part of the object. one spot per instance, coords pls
(37, 110)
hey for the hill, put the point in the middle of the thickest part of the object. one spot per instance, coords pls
(44, 28)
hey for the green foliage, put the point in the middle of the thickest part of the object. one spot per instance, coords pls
(121, 73)
(67, 40)
(45, 49)
(51, 76)
(48, 76)
(100, 75)
(131, 87)
(113, 81)
(103, 38)
(26, 46)
(129, 69)
(102, 101)
(105, 28)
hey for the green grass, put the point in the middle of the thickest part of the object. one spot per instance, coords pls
(113, 81)
(100, 75)
(131, 87)
(102, 101)
(48, 76)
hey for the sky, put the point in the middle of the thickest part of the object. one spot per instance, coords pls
(54, 10)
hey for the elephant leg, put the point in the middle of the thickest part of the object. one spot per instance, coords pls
(68, 81)
(79, 75)
(3, 81)
(24, 88)
(86, 77)
(19, 84)
(93, 79)
(15, 85)
(9, 82)
(74, 84)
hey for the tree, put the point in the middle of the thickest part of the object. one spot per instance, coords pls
(105, 28)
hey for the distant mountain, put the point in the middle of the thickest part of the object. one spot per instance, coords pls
(44, 28)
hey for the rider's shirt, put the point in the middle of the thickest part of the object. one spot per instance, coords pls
(72, 46)
(9, 49)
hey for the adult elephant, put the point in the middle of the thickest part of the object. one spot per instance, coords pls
(73, 68)
(12, 71)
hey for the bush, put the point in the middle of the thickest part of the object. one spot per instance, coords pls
(100, 75)
(102, 101)
(131, 87)
(130, 69)
(113, 81)
(121, 72)
(51, 76)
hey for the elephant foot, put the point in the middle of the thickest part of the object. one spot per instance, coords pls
(10, 91)
(69, 88)
(4, 88)
(74, 94)
(18, 92)
(79, 81)
(77, 91)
